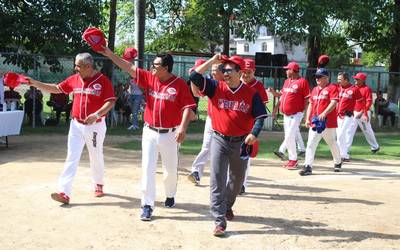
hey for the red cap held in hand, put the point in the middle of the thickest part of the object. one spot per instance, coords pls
(129, 54)
(254, 150)
(95, 38)
(13, 80)
(197, 63)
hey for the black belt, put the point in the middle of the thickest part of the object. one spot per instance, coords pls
(348, 113)
(231, 138)
(161, 130)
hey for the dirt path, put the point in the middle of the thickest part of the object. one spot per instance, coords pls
(355, 209)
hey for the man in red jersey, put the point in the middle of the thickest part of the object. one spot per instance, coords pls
(249, 79)
(322, 107)
(294, 95)
(362, 114)
(93, 98)
(237, 117)
(348, 95)
(167, 114)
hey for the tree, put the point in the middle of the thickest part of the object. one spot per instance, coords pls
(108, 65)
(51, 28)
(376, 25)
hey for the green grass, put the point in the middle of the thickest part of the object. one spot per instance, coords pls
(360, 150)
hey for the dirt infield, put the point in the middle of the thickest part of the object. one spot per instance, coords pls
(358, 208)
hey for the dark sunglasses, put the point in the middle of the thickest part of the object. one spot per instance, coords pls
(228, 71)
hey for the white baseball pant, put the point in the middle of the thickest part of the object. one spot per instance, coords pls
(153, 143)
(79, 135)
(329, 135)
(204, 155)
(344, 133)
(366, 128)
(299, 143)
(291, 127)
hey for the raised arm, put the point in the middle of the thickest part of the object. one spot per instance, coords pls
(48, 87)
(120, 62)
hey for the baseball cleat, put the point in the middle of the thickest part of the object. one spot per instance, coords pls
(242, 190)
(219, 231)
(146, 213)
(301, 153)
(375, 150)
(280, 155)
(169, 202)
(306, 170)
(194, 177)
(337, 167)
(291, 165)
(345, 159)
(60, 197)
(98, 192)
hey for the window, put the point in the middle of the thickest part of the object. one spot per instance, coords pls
(264, 46)
(246, 47)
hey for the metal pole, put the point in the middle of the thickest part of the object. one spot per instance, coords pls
(140, 22)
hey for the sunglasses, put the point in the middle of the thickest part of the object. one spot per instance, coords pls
(155, 64)
(228, 71)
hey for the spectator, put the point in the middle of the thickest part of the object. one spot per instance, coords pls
(36, 94)
(12, 99)
(135, 99)
(60, 103)
(381, 108)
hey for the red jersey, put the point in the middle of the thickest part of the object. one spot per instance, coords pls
(347, 99)
(89, 94)
(294, 95)
(234, 112)
(365, 103)
(259, 87)
(165, 101)
(320, 99)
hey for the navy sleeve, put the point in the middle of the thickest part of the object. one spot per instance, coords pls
(258, 106)
(207, 86)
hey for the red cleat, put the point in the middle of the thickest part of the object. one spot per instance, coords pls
(60, 197)
(291, 165)
(219, 231)
(98, 192)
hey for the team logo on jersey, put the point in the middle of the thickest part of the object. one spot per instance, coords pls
(233, 105)
(325, 92)
(350, 92)
(171, 91)
(97, 86)
(295, 86)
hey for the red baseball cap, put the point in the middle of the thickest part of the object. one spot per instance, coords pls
(323, 60)
(237, 60)
(197, 63)
(293, 66)
(249, 64)
(129, 54)
(360, 76)
(254, 150)
(95, 38)
(13, 80)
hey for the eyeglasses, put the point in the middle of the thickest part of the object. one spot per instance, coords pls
(155, 64)
(228, 71)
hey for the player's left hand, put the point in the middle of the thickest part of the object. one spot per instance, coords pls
(365, 117)
(321, 116)
(91, 119)
(180, 135)
(250, 139)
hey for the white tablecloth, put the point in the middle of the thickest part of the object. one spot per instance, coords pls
(10, 122)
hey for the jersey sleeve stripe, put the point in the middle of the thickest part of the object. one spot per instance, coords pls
(111, 98)
(61, 89)
(261, 116)
(188, 106)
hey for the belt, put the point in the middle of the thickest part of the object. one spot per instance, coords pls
(160, 130)
(346, 113)
(291, 114)
(83, 122)
(231, 138)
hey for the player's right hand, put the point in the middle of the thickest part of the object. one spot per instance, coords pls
(307, 123)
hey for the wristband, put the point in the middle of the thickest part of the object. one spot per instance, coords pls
(98, 116)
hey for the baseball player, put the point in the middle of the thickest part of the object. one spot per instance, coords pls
(204, 154)
(362, 114)
(348, 95)
(167, 115)
(294, 94)
(249, 79)
(93, 98)
(299, 139)
(322, 106)
(237, 116)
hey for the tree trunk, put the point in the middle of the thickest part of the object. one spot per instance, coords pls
(140, 22)
(314, 50)
(394, 79)
(226, 35)
(108, 66)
